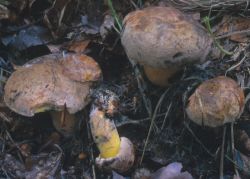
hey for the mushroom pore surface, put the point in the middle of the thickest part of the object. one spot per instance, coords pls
(215, 102)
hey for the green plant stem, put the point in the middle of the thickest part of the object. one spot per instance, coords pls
(206, 20)
(114, 14)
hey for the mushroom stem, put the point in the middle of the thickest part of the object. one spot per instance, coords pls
(104, 133)
(160, 76)
(115, 153)
(64, 122)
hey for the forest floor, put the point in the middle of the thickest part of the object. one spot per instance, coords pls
(152, 117)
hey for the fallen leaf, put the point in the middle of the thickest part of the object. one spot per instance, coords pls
(117, 176)
(243, 163)
(59, 15)
(4, 12)
(172, 171)
(237, 27)
(243, 141)
(45, 165)
(141, 173)
(107, 26)
(19, 5)
(77, 46)
(32, 36)
(12, 167)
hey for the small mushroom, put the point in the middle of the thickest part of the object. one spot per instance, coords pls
(163, 40)
(54, 82)
(215, 102)
(115, 153)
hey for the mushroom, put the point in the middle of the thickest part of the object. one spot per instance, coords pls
(115, 153)
(164, 40)
(215, 102)
(54, 82)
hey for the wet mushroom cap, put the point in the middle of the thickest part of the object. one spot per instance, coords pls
(215, 102)
(51, 82)
(162, 37)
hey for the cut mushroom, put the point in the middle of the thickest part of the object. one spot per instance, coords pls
(104, 133)
(163, 40)
(53, 82)
(215, 102)
(115, 153)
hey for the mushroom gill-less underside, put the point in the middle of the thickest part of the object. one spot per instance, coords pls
(50, 83)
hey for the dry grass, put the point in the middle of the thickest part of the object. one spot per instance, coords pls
(203, 5)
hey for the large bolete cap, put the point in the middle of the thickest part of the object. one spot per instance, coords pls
(164, 38)
(215, 102)
(52, 82)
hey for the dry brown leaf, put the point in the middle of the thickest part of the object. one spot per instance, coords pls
(236, 27)
(59, 15)
(243, 141)
(77, 46)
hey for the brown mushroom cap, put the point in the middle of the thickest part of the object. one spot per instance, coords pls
(215, 102)
(163, 36)
(51, 82)
(163, 40)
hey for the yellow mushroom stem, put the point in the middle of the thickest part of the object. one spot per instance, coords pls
(160, 76)
(105, 134)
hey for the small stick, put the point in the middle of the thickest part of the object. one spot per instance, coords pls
(236, 65)
(166, 115)
(233, 148)
(232, 33)
(152, 123)
(198, 140)
(222, 152)
(91, 150)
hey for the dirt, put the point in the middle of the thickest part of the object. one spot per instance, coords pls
(152, 117)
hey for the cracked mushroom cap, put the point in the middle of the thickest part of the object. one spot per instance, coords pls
(215, 102)
(50, 82)
(163, 37)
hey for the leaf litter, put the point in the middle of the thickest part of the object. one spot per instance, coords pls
(33, 148)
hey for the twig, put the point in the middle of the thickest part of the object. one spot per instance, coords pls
(236, 65)
(5, 118)
(166, 115)
(131, 121)
(198, 140)
(233, 149)
(236, 165)
(207, 23)
(91, 150)
(152, 122)
(133, 3)
(232, 33)
(222, 152)
(141, 83)
(205, 5)
(13, 142)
